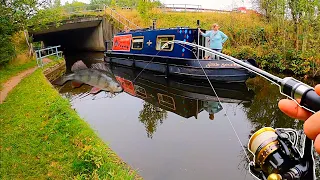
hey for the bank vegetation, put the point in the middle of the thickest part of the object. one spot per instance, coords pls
(42, 137)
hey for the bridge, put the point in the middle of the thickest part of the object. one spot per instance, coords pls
(84, 32)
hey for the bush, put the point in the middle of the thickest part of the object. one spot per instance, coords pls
(7, 50)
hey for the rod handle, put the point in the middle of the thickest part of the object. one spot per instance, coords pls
(298, 90)
(311, 100)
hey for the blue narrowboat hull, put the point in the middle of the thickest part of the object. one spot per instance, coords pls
(216, 70)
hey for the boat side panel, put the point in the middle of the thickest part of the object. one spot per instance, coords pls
(152, 66)
(150, 41)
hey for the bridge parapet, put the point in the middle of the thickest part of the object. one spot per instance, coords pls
(85, 28)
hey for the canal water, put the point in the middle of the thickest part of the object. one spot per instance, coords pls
(168, 128)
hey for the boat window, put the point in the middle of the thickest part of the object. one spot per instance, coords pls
(137, 42)
(161, 40)
(140, 91)
(166, 101)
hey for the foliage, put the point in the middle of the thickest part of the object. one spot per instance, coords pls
(7, 50)
(19, 11)
(145, 7)
(127, 3)
(274, 40)
(74, 4)
(56, 3)
(150, 116)
(106, 2)
(14, 16)
(45, 139)
(250, 36)
(46, 17)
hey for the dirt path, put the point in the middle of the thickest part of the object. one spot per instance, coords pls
(12, 82)
(15, 80)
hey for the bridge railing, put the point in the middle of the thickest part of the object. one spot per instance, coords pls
(46, 52)
(83, 10)
(104, 10)
(120, 18)
(181, 7)
(188, 7)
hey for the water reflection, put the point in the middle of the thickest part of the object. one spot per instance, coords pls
(164, 126)
(183, 97)
(264, 111)
(151, 116)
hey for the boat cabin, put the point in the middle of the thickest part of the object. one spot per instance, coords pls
(147, 49)
(150, 41)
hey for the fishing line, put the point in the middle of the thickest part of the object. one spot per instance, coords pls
(146, 65)
(242, 146)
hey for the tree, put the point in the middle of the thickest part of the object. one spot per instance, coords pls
(302, 14)
(14, 17)
(106, 2)
(19, 11)
(56, 3)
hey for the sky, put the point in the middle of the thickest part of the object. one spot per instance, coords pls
(210, 4)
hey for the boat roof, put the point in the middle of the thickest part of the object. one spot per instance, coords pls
(151, 29)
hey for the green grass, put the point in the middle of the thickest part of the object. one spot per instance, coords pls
(43, 138)
(11, 70)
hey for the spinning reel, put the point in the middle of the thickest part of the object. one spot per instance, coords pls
(276, 156)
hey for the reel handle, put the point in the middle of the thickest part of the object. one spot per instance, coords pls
(295, 89)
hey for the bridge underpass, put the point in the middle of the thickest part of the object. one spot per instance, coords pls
(81, 34)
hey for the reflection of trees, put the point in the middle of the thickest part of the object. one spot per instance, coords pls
(151, 116)
(264, 110)
(317, 160)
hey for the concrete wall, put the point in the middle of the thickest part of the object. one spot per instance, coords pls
(108, 31)
(88, 34)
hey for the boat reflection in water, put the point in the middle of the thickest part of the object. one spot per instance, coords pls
(183, 97)
(180, 96)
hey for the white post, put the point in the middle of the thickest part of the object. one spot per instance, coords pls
(198, 42)
(57, 52)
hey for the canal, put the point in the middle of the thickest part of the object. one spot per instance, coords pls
(169, 128)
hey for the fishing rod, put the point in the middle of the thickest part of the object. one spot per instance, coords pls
(276, 157)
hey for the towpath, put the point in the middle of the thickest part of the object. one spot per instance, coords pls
(15, 80)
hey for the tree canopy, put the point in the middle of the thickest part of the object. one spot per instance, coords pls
(14, 17)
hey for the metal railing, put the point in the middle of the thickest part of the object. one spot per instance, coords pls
(104, 10)
(183, 7)
(188, 7)
(120, 18)
(46, 52)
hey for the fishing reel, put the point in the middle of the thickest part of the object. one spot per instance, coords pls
(276, 156)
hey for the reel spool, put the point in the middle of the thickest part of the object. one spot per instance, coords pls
(276, 158)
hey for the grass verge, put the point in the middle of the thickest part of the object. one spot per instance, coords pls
(43, 138)
(11, 70)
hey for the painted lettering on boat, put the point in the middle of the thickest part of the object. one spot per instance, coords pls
(127, 85)
(223, 65)
(122, 43)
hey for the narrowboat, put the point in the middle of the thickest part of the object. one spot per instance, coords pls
(147, 49)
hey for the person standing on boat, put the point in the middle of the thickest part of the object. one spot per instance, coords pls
(217, 37)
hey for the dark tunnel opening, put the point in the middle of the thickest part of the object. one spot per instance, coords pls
(84, 39)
